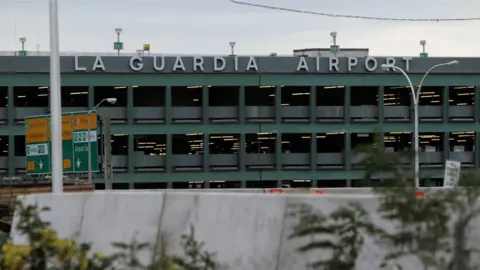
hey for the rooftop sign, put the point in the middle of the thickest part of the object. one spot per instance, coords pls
(231, 64)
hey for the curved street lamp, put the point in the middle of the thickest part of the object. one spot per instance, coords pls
(111, 101)
(415, 98)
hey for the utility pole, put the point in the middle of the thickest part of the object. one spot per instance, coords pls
(107, 163)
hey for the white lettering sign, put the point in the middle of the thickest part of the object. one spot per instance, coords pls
(77, 65)
(136, 63)
(241, 64)
(178, 64)
(302, 64)
(219, 63)
(252, 64)
(98, 64)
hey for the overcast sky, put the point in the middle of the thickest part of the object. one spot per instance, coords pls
(206, 26)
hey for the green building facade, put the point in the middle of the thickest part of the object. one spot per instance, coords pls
(204, 121)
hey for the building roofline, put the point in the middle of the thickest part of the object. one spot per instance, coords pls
(328, 49)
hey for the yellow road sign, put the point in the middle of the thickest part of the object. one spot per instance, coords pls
(37, 130)
(80, 121)
(67, 128)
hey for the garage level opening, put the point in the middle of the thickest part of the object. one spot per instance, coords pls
(187, 104)
(431, 149)
(461, 103)
(260, 150)
(30, 101)
(330, 150)
(431, 103)
(74, 98)
(260, 103)
(20, 153)
(223, 103)
(397, 101)
(224, 144)
(119, 152)
(462, 147)
(295, 102)
(296, 150)
(298, 183)
(148, 104)
(118, 111)
(149, 152)
(187, 151)
(364, 103)
(360, 140)
(330, 103)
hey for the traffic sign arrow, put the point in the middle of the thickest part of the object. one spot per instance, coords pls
(41, 165)
(78, 163)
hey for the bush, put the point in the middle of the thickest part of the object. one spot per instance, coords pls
(45, 251)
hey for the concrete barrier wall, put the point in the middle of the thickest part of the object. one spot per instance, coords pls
(247, 231)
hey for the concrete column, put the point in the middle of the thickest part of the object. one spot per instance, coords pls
(313, 152)
(348, 153)
(347, 104)
(168, 105)
(241, 104)
(381, 102)
(11, 138)
(313, 104)
(131, 151)
(477, 149)
(130, 105)
(205, 104)
(10, 106)
(206, 151)
(446, 104)
(278, 151)
(11, 155)
(91, 97)
(278, 104)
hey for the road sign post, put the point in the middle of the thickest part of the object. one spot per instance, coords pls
(80, 142)
(37, 145)
(74, 140)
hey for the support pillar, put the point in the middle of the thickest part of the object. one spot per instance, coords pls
(241, 104)
(313, 104)
(130, 105)
(205, 104)
(278, 104)
(91, 97)
(131, 153)
(446, 104)
(348, 153)
(11, 138)
(313, 152)
(168, 105)
(347, 104)
(381, 102)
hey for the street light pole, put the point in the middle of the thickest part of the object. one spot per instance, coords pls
(415, 99)
(118, 31)
(111, 101)
(55, 101)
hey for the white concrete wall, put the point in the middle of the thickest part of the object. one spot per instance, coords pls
(247, 231)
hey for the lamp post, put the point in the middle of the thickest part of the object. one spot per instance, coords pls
(111, 101)
(55, 100)
(118, 45)
(23, 40)
(415, 99)
(232, 47)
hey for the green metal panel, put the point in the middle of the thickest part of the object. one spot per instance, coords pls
(239, 79)
(146, 129)
(273, 175)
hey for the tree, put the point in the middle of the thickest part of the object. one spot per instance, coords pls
(341, 234)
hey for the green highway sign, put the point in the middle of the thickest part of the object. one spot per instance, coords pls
(118, 45)
(74, 143)
(80, 142)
